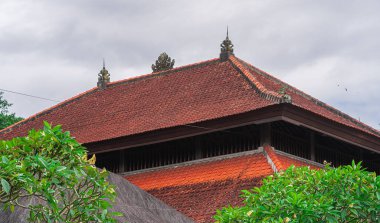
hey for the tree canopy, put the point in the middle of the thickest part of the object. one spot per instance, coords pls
(343, 194)
(51, 167)
(6, 118)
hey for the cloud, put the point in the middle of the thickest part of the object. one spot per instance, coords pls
(55, 48)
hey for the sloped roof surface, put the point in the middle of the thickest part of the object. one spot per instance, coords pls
(204, 91)
(198, 92)
(136, 205)
(287, 161)
(198, 189)
(282, 160)
(244, 167)
(306, 101)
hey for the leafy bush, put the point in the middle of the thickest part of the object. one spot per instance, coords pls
(343, 194)
(51, 167)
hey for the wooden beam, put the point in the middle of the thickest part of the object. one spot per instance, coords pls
(302, 117)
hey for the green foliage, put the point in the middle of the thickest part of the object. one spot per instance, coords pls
(343, 194)
(52, 167)
(6, 118)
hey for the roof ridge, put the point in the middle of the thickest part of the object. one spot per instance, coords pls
(272, 158)
(110, 84)
(311, 98)
(258, 87)
(161, 73)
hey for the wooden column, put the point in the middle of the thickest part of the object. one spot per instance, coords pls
(198, 148)
(265, 134)
(122, 161)
(312, 146)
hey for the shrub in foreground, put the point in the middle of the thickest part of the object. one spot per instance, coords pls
(343, 194)
(51, 167)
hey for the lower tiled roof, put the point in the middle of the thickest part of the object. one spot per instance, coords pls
(200, 201)
(198, 189)
(243, 167)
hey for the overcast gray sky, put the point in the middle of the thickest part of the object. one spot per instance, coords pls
(54, 49)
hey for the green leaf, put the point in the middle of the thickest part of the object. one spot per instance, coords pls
(60, 168)
(4, 160)
(43, 162)
(5, 185)
(331, 219)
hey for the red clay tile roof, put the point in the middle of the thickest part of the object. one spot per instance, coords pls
(200, 201)
(194, 93)
(273, 156)
(244, 167)
(304, 100)
(198, 189)
(284, 161)
(189, 94)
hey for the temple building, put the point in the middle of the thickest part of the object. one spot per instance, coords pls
(194, 136)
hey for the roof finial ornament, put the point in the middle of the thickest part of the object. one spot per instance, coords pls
(103, 77)
(226, 48)
(164, 62)
(285, 98)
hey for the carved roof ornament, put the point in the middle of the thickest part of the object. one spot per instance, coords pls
(103, 77)
(285, 98)
(226, 48)
(164, 62)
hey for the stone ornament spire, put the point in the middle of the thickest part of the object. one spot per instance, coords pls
(164, 62)
(103, 77)
(226, 48)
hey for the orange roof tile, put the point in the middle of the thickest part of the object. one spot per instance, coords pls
(244, 167)
(198, 189)
(273, 156)
(200, 201)
(286, 162)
